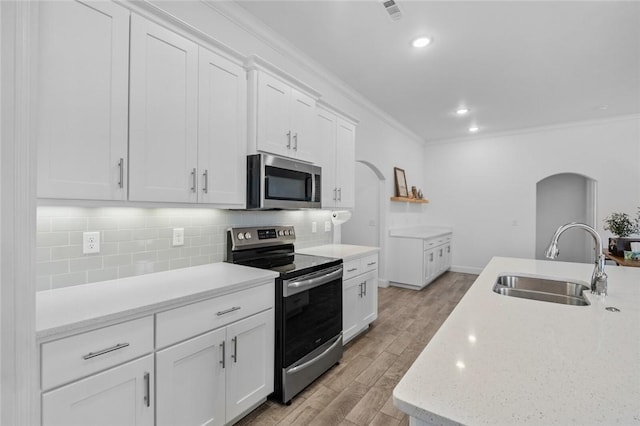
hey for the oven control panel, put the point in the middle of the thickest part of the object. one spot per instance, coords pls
(261, 236)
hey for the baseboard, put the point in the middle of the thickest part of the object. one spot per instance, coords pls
(383, 283)
(466, 269)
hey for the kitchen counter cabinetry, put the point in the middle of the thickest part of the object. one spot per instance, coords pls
(336, 136)
(417, 257)
(210, 329)
(359, 284)
(82, 100)
(281, 113)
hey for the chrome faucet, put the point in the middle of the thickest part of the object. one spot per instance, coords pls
(599, 277)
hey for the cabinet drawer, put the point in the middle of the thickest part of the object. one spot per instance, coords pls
(351, 269)
(369, 263)
(182, 323)
(78, 356)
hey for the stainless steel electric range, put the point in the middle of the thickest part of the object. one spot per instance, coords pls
(308, 301)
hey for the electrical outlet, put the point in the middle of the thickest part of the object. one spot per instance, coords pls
(90, 242)
(327, 226)
(314, 227)
(178, 237)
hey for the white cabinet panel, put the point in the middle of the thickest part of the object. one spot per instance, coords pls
(222, 149)
(303, 125)
(350, 302)
(164, 119)
(326, 140)
(416, 262)
(274, 108)
(359, 295)
(345, 163)
(120, 396)
(82, 100)
(250, 362)
(191, 382)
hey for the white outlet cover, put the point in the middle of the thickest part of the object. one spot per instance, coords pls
(327, 226)
(178, 237)
(90, 242)
(314, 227)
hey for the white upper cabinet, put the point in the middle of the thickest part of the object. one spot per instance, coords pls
(82, 52)
(222, 134)
(336, 143)
(281, 113)
(163, 129)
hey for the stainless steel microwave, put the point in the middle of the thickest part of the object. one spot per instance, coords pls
(279, 183)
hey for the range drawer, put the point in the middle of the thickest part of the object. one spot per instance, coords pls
(81, 355)
(182, 323)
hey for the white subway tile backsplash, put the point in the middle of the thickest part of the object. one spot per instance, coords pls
(138, 241)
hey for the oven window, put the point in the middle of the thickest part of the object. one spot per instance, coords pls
(282, 184)
(312, 318)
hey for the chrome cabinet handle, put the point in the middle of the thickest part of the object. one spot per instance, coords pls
(352, 269)
(289, 139)
(295, 141)
(235, 349)
(440, 252)
(430, 257)
(147, 390)
(222, 345)
(339, 194)
(448, 249)
(364, 284)
(227, 311)
(335, 194)
(360, 287)
(193, 180)
(121, 166)
(105, 351)
(371, 264)
(205, 187)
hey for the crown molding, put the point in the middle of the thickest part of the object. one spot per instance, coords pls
(239, 16)
(536, 129)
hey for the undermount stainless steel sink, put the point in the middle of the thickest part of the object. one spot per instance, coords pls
(542, 289)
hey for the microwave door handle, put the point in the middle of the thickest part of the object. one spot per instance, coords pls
(311, 184)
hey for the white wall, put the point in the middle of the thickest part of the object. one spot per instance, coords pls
(485, 188)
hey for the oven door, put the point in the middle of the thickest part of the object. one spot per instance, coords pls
(312, 311)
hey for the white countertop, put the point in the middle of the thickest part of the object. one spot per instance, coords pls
(502, 360)
(345, 252)
(420, 232)
(80, 307)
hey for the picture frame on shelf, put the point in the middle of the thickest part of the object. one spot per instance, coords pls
(401, 182)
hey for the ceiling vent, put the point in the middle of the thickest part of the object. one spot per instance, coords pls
(392, 9)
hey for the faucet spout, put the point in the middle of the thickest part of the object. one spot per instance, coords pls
(599, 277)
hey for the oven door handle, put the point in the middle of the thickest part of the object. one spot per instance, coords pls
(316, 281)
(297, 368)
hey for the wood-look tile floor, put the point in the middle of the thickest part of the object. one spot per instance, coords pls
(358, 391)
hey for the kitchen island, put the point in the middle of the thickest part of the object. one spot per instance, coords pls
(503, 360)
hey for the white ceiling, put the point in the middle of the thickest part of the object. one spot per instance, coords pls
(515, 64)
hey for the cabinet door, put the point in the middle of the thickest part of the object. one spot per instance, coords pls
(120, 396)
(83, 58)
(164, 120)
(351, 307)
(345, 163)
(190, 382)
(431, 264)
(370, 298)
(250, 344)
(326, 140)
(222, 147)
(274, 109)
(303, 124)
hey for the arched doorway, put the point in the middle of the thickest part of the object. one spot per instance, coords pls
(560, 199)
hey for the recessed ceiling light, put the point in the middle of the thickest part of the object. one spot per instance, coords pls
(474, 129)
(421, 42)
(462, 111)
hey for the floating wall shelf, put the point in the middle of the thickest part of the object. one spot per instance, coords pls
(409, 200)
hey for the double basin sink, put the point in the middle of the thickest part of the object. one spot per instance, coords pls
(542, 289)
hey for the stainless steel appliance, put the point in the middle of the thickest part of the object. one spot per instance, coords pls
(308, 314)
(279, 183)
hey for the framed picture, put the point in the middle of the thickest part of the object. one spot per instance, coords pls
(401, 182)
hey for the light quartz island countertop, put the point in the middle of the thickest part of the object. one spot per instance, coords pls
(501, 360)
(420, 232)
(346, 252)
(72, 309)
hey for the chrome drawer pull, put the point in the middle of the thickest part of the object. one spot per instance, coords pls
(121, 167)
(235, 308)
(105, 351)
(352, 269)
(371, 264)
(224, 355)
(147, 390)
(235, 349)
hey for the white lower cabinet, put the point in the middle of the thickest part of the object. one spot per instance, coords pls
(214, 378)
(120, 396)
(359, 296)
(415, 262)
